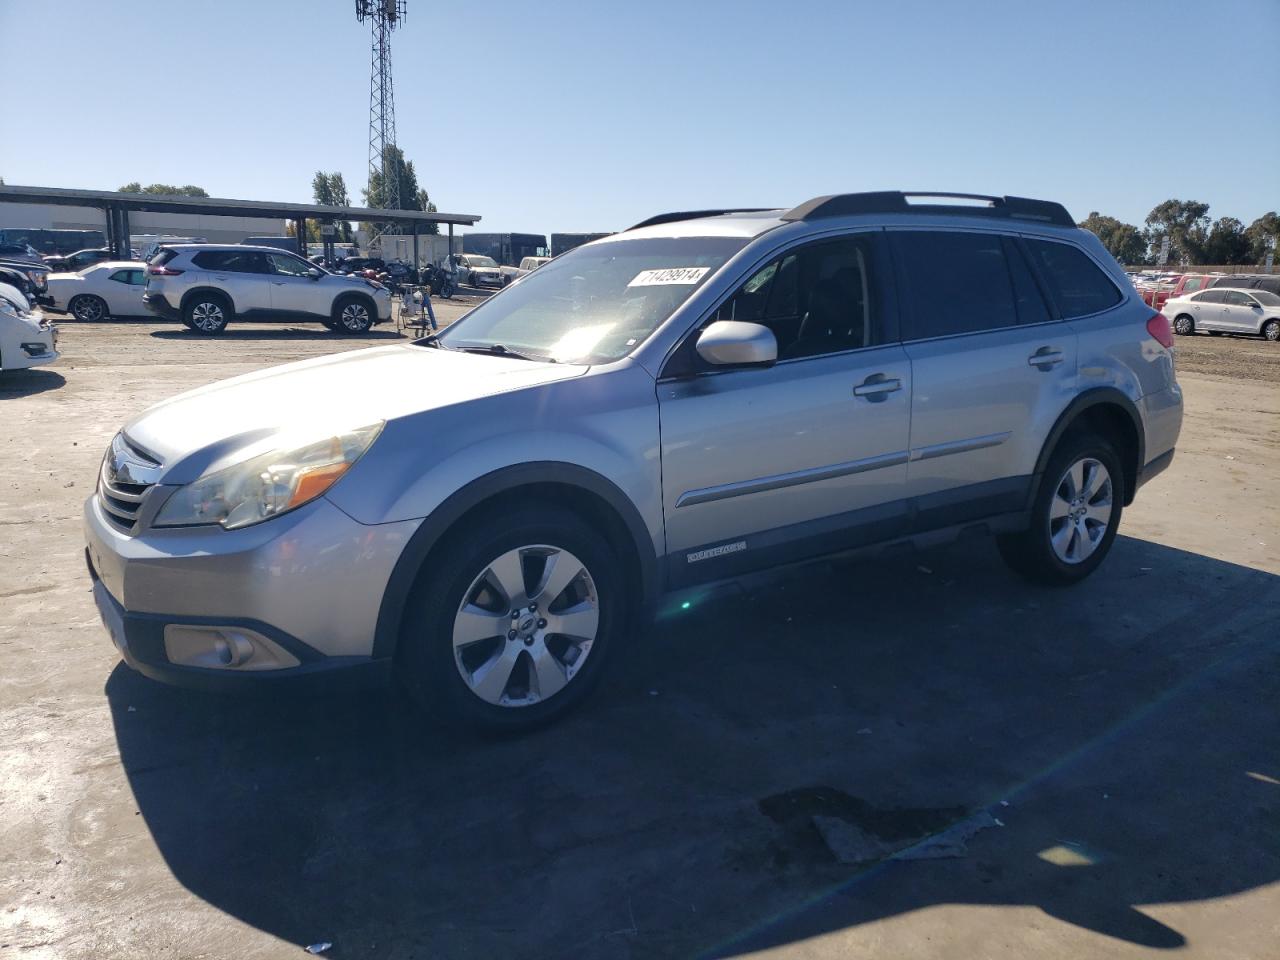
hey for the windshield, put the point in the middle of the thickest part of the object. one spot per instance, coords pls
(481, 262)
(595, 303)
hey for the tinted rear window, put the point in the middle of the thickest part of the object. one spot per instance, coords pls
(1076, 283)
(957, 283)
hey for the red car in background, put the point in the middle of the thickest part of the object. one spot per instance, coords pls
(1186, 285)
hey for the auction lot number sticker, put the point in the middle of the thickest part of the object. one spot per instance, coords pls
(668, 276)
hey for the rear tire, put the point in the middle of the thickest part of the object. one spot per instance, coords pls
(87, 308)
(207, 313)
(1074, 517)
(524, 674)
(1271, 330)
(1184, 325)
(351, 315)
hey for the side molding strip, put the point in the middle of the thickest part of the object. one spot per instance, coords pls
(960, 446)
(812, 475)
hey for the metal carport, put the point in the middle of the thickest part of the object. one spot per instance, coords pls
(116, 208)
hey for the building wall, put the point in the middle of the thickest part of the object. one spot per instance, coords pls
(214, 229)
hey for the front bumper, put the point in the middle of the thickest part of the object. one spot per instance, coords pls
(310, 582)
(158, 304)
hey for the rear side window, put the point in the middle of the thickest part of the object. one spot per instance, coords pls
(1211, 296)
(1076, 283)
(232, 261)
(955, 283)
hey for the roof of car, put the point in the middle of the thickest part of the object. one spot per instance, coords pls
(884, 207)
(259, 248)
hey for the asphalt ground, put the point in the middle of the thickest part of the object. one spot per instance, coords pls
(1123, 733)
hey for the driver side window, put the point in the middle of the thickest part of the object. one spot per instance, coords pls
(287, 266)
(818, 299)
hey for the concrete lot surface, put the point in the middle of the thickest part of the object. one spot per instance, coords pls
(697, 804)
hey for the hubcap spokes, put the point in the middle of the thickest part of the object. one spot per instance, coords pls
(354, 317)
(206, 316)
(1080, 510)
(526, 626)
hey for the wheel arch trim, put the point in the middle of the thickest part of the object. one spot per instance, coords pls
(206, 290)
(1096, 397)
(441, 521)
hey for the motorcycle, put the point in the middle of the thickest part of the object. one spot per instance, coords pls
(440, 281)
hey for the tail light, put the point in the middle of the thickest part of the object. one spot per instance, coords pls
(1158, 327)
(163, 272)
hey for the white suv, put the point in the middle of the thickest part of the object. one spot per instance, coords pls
(206, 286)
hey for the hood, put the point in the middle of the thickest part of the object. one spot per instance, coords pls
(216, 425)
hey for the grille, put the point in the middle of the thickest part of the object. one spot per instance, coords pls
(121, 498)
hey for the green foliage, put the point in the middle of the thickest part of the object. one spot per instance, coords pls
(412, 197)
(330, 190)
(1185, 223)
(164, 189)
(1227, 243)
(1257, 233)
(1123, 241)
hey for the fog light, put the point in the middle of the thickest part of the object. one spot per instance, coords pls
(224, 648)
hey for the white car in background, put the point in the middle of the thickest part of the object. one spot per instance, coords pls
(110, 289)
(27, 339)
(527, 266)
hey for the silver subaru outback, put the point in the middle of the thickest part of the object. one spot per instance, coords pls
(485, 512)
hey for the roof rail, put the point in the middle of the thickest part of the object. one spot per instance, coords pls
(895, 201)
(693, 215)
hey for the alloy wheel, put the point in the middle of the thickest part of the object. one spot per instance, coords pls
(355, 317)
(526, 626)
(1182, 326)
(207, 317)
(89, 309)
(1080, 511)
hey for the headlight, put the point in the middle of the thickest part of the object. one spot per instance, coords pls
(12, 308)
(267, 485)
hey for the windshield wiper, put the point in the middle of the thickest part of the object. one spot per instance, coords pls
(498, 350)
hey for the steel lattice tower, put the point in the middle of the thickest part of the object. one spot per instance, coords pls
(383, 16)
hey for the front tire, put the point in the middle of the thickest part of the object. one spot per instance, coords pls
(512, 626)
(1074, 517)
(88, 308)
(1184, 325)
(206, 313)
(352, 315)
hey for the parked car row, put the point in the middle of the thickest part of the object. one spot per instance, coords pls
(1156, 289)
(1226, 310)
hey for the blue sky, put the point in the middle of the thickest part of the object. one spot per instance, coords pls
(588, 115)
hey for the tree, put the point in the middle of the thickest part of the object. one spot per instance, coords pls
(164, 189)
(1185, 223)
(1267, 225)
(330, 190)
(1226, 242)
(411, 196)
(1123, 241)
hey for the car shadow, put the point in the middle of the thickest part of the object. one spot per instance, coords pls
(1127, 723)
(278, 333)
(26, 383)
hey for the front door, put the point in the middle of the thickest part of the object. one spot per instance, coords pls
(1239, 313)
(293, 289)
(762, 466)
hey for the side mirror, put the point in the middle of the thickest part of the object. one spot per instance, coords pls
(733, 343)
(315, 274)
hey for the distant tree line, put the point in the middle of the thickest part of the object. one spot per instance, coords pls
(165, 189)
(1193, 239)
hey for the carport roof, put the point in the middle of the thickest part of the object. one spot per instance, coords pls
(217, 207)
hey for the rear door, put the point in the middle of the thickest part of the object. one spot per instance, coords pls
(1207, 310)
(992, 366)
(763, 466)
(242, 274)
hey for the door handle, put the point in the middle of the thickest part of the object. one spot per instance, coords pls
(876, 388)
(278, 283)
(1045, 357)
